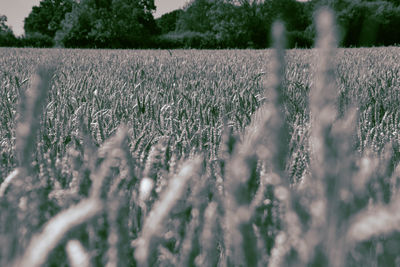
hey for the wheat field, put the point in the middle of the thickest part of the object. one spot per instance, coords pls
(199, 157)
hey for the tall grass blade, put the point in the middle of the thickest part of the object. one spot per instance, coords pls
(379, 220)
(7, 182)
(153, 224)
(42, 244)
(333, 148)
(30, 112)
(77, 255)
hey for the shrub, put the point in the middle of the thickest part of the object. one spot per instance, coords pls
(7, 38)
(187, 40)
(36, 40)
(299, 39)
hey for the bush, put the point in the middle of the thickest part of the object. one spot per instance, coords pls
(7, 38)
(299, 39)
(187, 40)
(36, 40)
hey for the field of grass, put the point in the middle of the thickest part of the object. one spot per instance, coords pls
(200, 158)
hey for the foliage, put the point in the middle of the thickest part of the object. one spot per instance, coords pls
(36, 40)
(247, 23)
(227, 23)
(300, 39)
(46, 18)
(76, 30)
(195, 18)
(365, 23)
(102, 24)
(187, 40)
(134, 27)
(7, 37)
(244, 23)
(3, 26)
(167, 22)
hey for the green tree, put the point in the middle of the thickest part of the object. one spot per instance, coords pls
(368, 22)
(46, 18)
(258, 18)
(136, 25)
(246, 23)
(223, 20)
(75, 27)
(195, 18)
(228, 25)
(106, 23)
(3, 23)
(167, 22)
(7, 37)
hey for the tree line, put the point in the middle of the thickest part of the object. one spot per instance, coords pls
(200, 24)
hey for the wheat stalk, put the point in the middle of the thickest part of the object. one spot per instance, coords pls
(375, 221)
(7, 181)
(77, 255)
(42, 244)
(154, 222)
(31, 108)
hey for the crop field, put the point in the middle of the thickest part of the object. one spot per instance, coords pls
(200, 157)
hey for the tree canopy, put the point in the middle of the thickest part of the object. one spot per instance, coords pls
(167, 22)
(7, 37)
(205, 23)
(244, 23)
(108, 23)
(3, 25)
(46, 18)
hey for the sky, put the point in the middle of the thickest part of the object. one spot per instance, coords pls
(17, 10)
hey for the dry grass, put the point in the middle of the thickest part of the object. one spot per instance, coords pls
(281, 158)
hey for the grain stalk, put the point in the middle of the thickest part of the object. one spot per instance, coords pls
(375, 221)
(333, 151)
(77, 254)
(42, 244)
(4, 185)
(31, 109)
(266, 140)
(23, 182)
(154, 222)
(277, 153)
